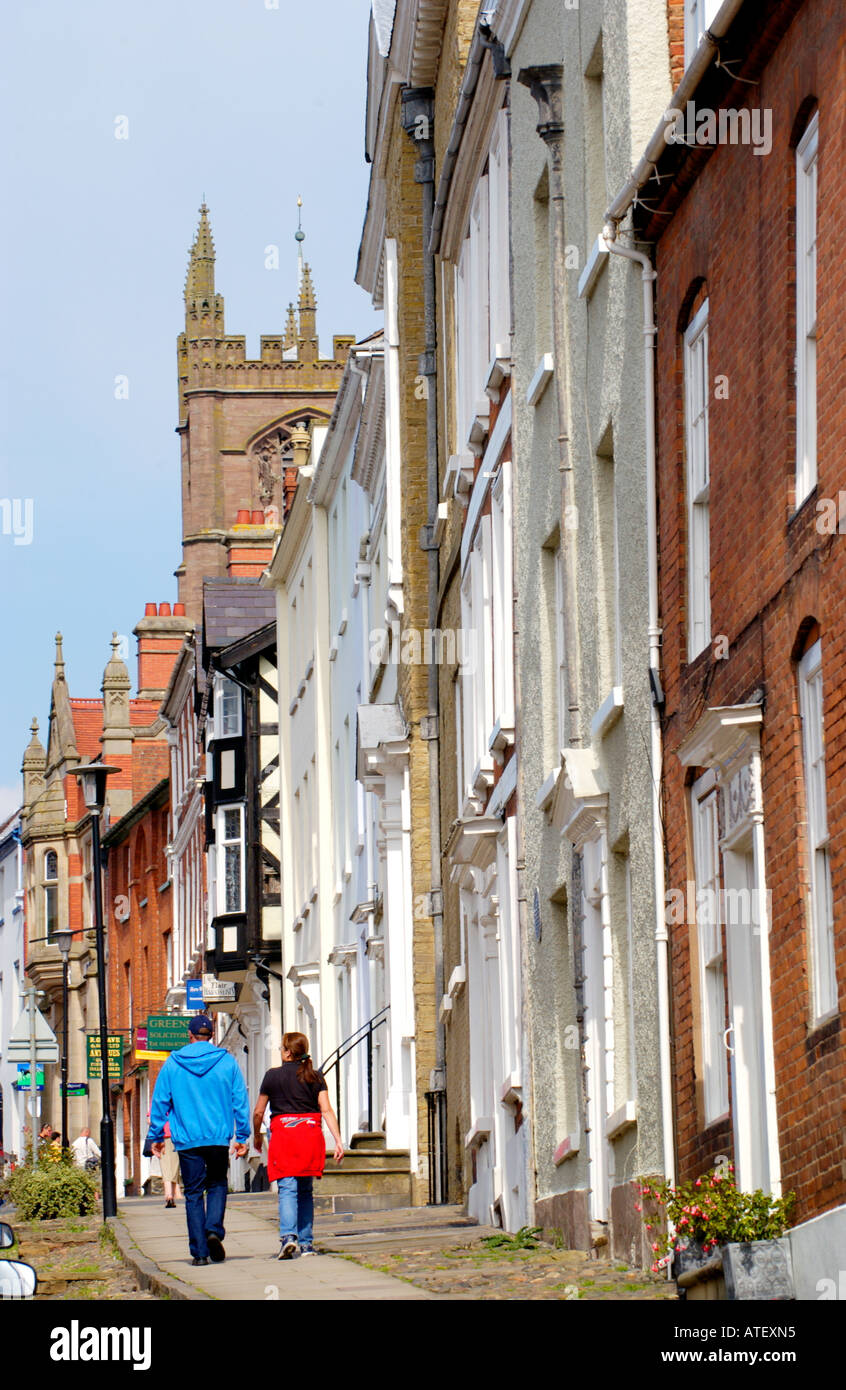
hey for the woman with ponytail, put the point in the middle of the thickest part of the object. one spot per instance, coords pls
(299, 1103)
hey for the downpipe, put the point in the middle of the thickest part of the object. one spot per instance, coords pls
(662, 940)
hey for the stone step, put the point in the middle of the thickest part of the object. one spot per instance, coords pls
(372, 1160)
(371, 1140)
(365, 1180)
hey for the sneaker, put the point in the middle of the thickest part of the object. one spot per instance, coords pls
(216, 1250)
(309, 1251)
(288, 1249)
(200, 1260)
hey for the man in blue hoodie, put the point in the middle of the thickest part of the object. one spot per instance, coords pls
(201, 1091)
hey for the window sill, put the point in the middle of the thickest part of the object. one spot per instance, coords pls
(568, 1148)
(594, 266)
(479, 1133)
(544, 373)
(621, 1120)
(608, 713)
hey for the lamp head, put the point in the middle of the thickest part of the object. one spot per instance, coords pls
(92, 777)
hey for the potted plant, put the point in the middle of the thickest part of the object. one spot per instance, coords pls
(721, 1242)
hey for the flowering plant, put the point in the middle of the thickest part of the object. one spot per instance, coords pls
(709, 1211)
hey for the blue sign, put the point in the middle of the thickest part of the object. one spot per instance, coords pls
(193, 994)
(24, 1081)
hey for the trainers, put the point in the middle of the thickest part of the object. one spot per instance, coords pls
(309, 1251)
(216, 1250)
(200, 1260)
(289, 1249)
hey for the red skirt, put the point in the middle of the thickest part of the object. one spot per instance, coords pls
(297, 1148)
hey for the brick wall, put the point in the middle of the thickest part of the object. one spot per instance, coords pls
(772, 572)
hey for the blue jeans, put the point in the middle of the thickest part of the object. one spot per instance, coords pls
(204, 1170)
(296, 1209)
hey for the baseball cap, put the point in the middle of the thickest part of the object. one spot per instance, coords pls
(200, 1023)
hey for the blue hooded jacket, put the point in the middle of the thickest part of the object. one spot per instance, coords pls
(201, 1091)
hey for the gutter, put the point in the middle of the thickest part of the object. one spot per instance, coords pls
(483, 39)
(708, 49)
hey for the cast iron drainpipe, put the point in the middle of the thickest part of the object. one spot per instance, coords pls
(662, 943)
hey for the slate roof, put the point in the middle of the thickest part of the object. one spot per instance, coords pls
(233, 608)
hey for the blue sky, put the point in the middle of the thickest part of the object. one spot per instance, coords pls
(245, 104)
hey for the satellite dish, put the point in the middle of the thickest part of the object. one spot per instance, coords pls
(17, 1280)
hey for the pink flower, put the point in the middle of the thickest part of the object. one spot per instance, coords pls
(638, 1206)
(698, 1182)
(654, 1269)
(654, 1245)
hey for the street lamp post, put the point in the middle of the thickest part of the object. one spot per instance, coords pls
(93, 779)
(63, 941)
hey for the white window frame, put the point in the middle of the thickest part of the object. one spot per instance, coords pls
(820, 900)
(698, 478)
(704, 805)
(499, 256)
(225, 690)
(698, 15)
(806, 311)
(560, 645)
(222, 845)
(50, 884)
(503, 597)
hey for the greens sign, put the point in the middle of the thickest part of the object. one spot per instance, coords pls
(167, 1032)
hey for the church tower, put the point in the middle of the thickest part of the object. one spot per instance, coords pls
(236, 421)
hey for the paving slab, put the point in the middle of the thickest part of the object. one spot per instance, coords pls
(251, 1270)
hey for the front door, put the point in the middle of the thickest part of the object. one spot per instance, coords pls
(745, 1036)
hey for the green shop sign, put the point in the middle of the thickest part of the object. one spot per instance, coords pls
(167, 1032)
(95, 1061)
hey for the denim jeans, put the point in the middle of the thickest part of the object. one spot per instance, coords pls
(204, 1170)
(296, 1209)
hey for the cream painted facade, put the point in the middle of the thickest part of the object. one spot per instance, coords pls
(588, 81)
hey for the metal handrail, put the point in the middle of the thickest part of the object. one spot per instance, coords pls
(348, 1045)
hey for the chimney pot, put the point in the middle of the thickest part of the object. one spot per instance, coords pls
(149, 610)
(179, 610)
(243, 517)
(258, 517)
(164, 610)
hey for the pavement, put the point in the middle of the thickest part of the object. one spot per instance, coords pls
(154, 1240)
(404, 1254)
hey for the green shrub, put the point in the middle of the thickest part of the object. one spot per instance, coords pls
(45, 1193)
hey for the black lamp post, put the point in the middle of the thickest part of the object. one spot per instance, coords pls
(63, 940)
(93, 776)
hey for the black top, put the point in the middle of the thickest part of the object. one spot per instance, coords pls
(290, 1096)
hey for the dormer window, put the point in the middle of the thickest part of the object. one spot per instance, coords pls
(227, 710)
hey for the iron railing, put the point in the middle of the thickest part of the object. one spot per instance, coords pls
(364, 1034)
(438, 1176)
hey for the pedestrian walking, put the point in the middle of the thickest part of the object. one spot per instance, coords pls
(201, 1092)
(299, 1103)
(86, 1154)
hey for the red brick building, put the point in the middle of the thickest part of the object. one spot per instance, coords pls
(751, 437)
(129, 734)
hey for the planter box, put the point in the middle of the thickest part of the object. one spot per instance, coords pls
(753, 1271)
(699, 1275)
(759, 1270)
